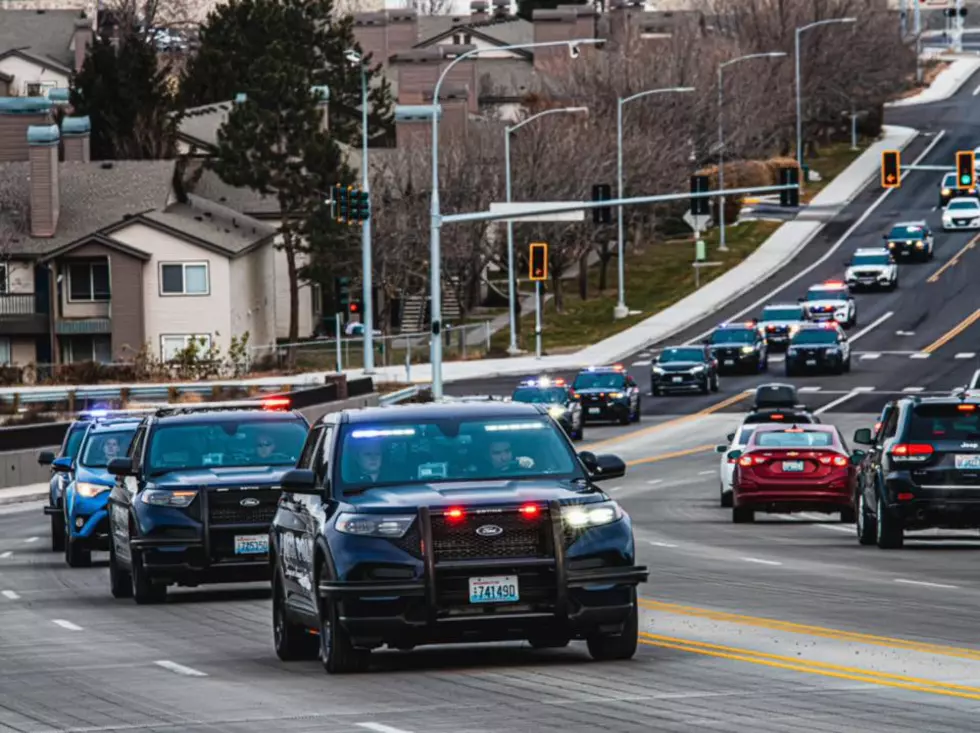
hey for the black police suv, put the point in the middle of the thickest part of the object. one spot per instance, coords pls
(195, 496)
(683, 368)
(910, 240)
(607, 393)
(819, 347)
(922, 469)
(779, 321)
(555, 394)
(445, 523)
(739, 347)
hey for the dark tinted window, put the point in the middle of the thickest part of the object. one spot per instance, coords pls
(104, 445)
(599, 380)
(912, 232)
(680, 354)
(833, 294)
(860, 260)
(775, 397)
(943, 422)
(538, 395)
(75, 439)
(787, 418)
(734, 336)
(815, 336)
(794, 439)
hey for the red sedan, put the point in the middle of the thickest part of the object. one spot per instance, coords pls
(794, 468)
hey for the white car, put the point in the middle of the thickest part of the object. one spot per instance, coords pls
(830, 301)
(962, 213)
(737, 441)
(871, 268)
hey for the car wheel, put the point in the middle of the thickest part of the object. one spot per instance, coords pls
(610, 647)
(627, 417)
(75, 555)
(891, 534)
(742, 515)
(864, 523)
(726, 498)
(293, 642)
(57, 533)
(337, 651)
(120, 581)
(579, 434)
(705, 387)
(145, 591)
(636, 416)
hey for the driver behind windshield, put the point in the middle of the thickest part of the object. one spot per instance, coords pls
(502, 457)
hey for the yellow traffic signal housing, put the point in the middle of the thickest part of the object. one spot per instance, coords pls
(538, 260)
(965, 169)
(891, 169)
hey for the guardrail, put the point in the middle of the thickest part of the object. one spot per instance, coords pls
(394, 398)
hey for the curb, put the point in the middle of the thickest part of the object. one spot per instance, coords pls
(972, 65)
(6, 501)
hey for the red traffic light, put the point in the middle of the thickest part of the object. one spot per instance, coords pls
(354, 307)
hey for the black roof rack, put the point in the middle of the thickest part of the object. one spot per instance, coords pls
(268, 404)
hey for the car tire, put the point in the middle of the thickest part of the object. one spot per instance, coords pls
(293, 642)
(726, 498)
(705, 387)
(337, 652)
(627, 417)
(742, 515)
(120, 581)
(145, 591)
(621, 646)
(636, 415)
(77, 556)
(867, 529)
(891, 534)
(57, 533)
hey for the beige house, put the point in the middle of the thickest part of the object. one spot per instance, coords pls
(40, 48)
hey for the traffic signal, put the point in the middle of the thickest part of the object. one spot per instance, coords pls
(965, 162)
(360, 205)
(354, 307)
(342, 203)
(538, 259)
(700, 206)
(891, 169)
(342, 288)
(789, 176)
(602, 214)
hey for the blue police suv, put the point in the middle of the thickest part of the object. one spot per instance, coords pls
(449, 522)
(195, 496)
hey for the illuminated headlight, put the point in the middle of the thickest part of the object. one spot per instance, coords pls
(698, 369)
(793, 330)
(748, 349)
(556, 411)
(615, 395)
(946, 192)
(161, 497)
(89, 490)
(792, 351)
(592, 515)
(658, 370)
(374, 525)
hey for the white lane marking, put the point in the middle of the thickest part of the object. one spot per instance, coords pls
(705, 473)
(976, 91)
(645, 362)
(615, 488)
(920, 354)
(914, 389)
(870, 356)
(644, 354)
(871, 326)
(29, 540)
(965, 355)
(841, 400)
(770, 296)
(655, 481)
(5, 555)
(836, 527)
(777, 359)
(905, 333)
(382, 728)
(925, 584)
(864, 389)
(810, 389)
(9, 594)
(66, 624)
(760, 561)
(179, 668)
(660, 544)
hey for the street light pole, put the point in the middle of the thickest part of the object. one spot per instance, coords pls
(621, 311)
(799, 92)
(722, 246)
(435, 244)
(511, 272)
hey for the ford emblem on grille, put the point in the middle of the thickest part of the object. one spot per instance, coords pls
(489, 530)
(249, 502)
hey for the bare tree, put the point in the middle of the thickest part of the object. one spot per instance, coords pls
(154, 14)
(430, 7)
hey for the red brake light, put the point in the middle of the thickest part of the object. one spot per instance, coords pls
(914, 451)
(276, 403)
(529, 510)
(745, 461)
(841, 461)
(454, 514)
(776, 417)
(966, 408)
(750, 460)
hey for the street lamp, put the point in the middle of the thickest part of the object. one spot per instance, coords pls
(367, 318)
(621, 311)
(799, 93)
(435, 246)
(511, 278)
(722, 247)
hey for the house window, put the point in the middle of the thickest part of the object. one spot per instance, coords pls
(88, 281)
(86, 348)
(5, 352)
(38, 88)
(171, 344)
(184, 278)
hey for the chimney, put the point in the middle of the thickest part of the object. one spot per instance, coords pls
(322, 94)
(371, 34)
(81, 40)
(413, 126)
(43, 142)
(16, 115)
(501, 9)
(418, 71)
(76, 132)
(585, 23)
(552, 25)
(455, 119)
(462, 74)
(403, 30)
(478, 11)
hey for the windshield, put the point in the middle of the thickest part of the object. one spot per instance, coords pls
(949, 180)
(911, 232)
(477, 449)
(75, 436)
(102, 446)
(669, 355)
(826, 295)
(733, 336)
(943, 422)
(599, 380)
(782, 314)
(962, 205)
(799, 439)
(225, 442)
(538, 395)
(860, 260)
(815, 336)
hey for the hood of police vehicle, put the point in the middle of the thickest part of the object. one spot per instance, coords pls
(836, 303)
(220, 477)
(679, 366)
(465, 494)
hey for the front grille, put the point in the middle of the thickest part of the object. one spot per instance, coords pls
(866, 274)
(225, 506)
(411, 542)
(521, 537)
(961, 222)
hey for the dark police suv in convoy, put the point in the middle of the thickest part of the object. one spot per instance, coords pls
(682, 368)
(922, 469)
(739, 347)
(819, 347)
(195, 497)
(556, 395)
(446, 523)
(607, 393)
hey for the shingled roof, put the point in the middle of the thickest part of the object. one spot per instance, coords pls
(48, 34)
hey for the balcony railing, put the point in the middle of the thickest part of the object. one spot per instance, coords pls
(17, 304)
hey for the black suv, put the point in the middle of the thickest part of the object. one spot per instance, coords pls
(739, 347)
(922, 469)
(556, 396)
(607, 393)
(195, 497)
(682, 368)
(819, 347)
(443, 523)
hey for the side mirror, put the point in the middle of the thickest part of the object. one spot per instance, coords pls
(799, 300)
(120, 467)
(299, 481)
(731, 437)
(45, 458)
(603, 467)
(734, 455)
(721, 448)
(62, 465)
(862, 436)
(857, 456)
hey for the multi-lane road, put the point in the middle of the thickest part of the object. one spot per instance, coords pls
(783, 625)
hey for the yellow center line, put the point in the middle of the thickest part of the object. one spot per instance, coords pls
(954, 260)
(953, 332)
(824, 669)
(816, 631)
(674, 454)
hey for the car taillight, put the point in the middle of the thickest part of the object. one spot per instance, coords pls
(837, 460)
(912, 451)
(751, 461)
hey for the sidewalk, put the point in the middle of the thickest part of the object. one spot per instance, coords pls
(947, 83)
(21, 494)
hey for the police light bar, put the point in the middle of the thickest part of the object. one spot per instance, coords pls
(108, 414)
(267, 404)
(837, 283)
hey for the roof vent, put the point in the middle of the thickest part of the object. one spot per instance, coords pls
(107, 165)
